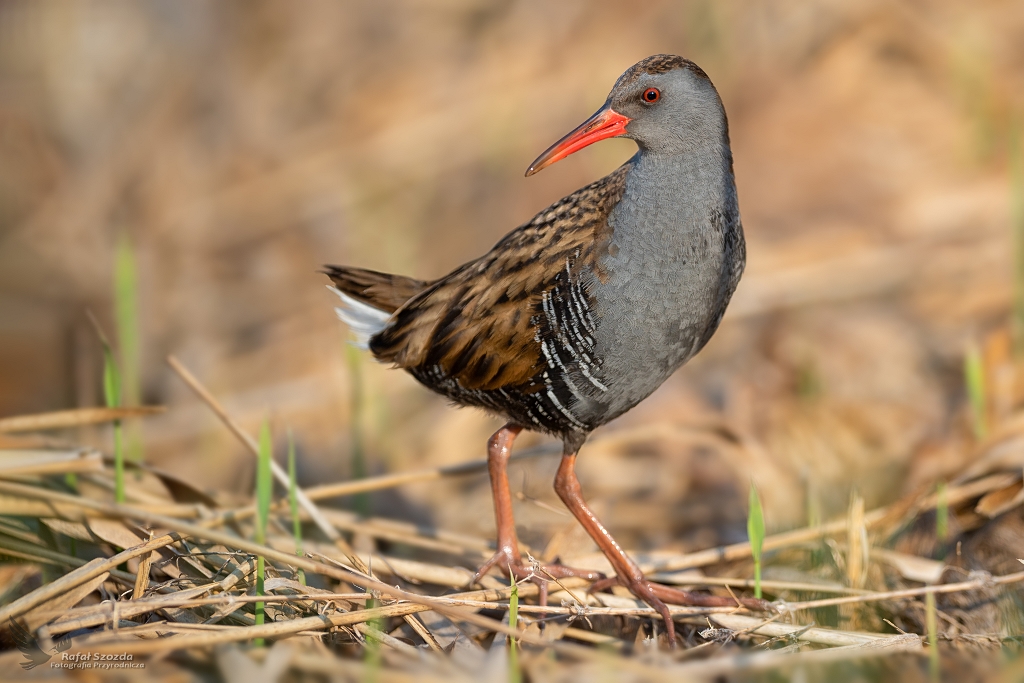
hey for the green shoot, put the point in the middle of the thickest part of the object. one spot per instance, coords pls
(942, 513)
(126, 313)
(362, 500)
(112, 395)
(514, 675)
(974, 379)
(293, 502)
(756, 533)
(933, 636)
(372, 656)
(264, 489)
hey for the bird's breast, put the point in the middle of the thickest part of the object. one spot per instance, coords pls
(670, 270)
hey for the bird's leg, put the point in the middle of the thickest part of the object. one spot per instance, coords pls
(507, 557)
(627, 572)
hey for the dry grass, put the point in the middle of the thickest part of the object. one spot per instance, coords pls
(212, 157)
(179, 596)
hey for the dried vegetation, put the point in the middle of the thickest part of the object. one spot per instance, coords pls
(182, 170)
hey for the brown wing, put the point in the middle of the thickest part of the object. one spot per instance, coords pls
(477, 324)
(381, 290)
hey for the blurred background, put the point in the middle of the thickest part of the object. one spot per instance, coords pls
(206, 158)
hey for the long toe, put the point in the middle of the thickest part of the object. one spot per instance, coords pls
(676, 596)
(657, 595)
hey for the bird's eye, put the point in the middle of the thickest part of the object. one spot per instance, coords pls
(651, 95)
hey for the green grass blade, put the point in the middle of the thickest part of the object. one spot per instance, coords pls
(293, 503)
(756, 533)
(112, 396)
(264, 483)
(264, 490)
(126, 314)
(974, 379)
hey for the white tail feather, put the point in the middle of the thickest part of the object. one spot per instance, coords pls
(362, 319)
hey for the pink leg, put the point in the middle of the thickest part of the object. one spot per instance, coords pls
(627, 572)
(507, 557)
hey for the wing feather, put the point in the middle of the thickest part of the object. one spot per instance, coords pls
(478, 325)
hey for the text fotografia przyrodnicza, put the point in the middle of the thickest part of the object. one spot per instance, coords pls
(96, 660)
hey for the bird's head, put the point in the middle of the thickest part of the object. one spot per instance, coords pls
(665, 103)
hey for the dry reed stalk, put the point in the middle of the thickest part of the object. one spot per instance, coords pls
(78, 417)
(142, 577)
(282, 477)
(985, 582)
(37, 616)
(410, 534)
(250, 443)
(749, 583)
(293, 626)
(420, 602)
(857, 545)
(33, 462)
(96, 615)
(872, 519)
(227, 540)
(78, 576)
(723, 667)
(387, 481)
(389, 640)
(822, 636)
(21, 506)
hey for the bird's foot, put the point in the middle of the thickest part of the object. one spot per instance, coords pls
(676, 596)
(512, 564)
(657, 595)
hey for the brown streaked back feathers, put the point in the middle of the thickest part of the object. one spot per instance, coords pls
(477, 325)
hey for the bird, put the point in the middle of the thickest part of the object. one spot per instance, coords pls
(579, 314)
(29, 646)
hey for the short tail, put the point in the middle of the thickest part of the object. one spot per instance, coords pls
(362, 319)
(368, 298)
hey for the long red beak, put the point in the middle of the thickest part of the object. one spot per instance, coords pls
(606, 123)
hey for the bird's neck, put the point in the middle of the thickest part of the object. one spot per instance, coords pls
(670, 196)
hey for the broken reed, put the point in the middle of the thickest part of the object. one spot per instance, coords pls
(264, 489)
